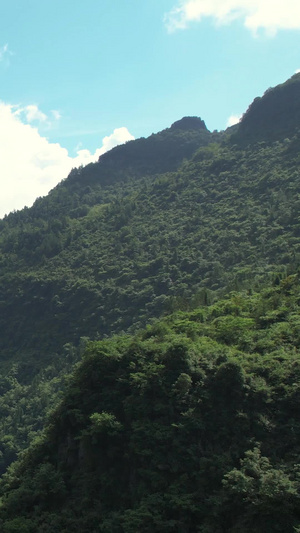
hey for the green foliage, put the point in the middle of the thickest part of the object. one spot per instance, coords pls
(273, 116)
(104, 423)
(192, 424)
(24, 406)
(267, 498)
(115, 245)
(183, 427)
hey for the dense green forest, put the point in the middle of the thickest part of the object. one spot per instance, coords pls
(162, 422)
(190, 425)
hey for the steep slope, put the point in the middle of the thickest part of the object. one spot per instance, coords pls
(189, 426)
(156, 224)
(123, 253)
(159, 153)
(40, 299)
(275, 115)
(44, 249)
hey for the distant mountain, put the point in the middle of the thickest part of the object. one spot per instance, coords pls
(159, 153)
(158, 224)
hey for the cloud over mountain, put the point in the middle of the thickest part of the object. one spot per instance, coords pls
(30, 165)
(232, 120)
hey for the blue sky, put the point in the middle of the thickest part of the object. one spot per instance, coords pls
(77, 78)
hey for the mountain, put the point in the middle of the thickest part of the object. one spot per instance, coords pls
(190, 425)
(159, 153)
(170, 222)
(275, 115)
(61, 253)
(114, 244)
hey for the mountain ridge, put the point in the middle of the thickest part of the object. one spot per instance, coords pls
(274, 115)
(160, 152)
(123, 241)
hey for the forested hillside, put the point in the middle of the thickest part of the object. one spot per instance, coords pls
(190, 425)
(158, 226)
(118, 240)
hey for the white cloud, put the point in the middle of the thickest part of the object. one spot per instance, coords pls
(119, 136)
(30, 165)
(297, 71)
(33, 114)
(265, 14)
(232, 120)
(5, 53)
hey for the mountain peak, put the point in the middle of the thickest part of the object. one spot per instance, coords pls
(275, 115)
(189, 123)
(160, 152)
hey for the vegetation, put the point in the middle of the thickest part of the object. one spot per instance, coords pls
(92, 260)
(192, 423)
(275, 115)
